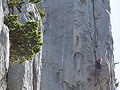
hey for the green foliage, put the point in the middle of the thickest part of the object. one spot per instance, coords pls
(41, 12)
(25, 40)
(38, 10)
(36, 1)
(17, 3)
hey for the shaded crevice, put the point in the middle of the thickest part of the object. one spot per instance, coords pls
(95, 31)
(77, 41)
(34, 77)
(95, 38)
(103, 1)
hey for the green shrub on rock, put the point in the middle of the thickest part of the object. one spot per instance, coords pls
(12, 3)
(41, 12)
(36, 1)
(38, 10)
(25, 40)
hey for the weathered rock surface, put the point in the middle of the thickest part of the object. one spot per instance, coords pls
(1, 16)
(27, 76)
(4, 56)
(5, 7)
(77, 32)
(4, 51)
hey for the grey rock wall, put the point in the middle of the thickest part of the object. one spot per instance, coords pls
(1, 15)
(4, 51)
(77, 32)
(27, 76)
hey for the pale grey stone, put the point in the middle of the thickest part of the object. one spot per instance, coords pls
(4, 51)
(26, 1)
(27, 76)
(5, 7)
(30, 10)
(15, 11)
(20, 77)
(75, 35)
(1, 16)
(4, 56)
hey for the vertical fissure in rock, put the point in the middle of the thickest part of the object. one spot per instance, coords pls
(95, 38)
(7, 80)
(34, 77)
(95, 31)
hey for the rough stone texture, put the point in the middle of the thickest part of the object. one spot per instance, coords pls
(5, 7)
(1, 15)
(20, 77)
(77, 32)
(4, 56)
(27, 76)
(28, 11)
(4, 51)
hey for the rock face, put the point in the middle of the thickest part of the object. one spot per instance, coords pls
(77, 33)
(27, 76)
(4, 51)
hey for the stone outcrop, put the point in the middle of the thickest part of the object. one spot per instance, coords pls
(27, 76)
(77, 32)
(4, 51)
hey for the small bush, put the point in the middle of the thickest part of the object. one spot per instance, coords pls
(41, 12)
(12, 3)
(36, 1)
(25, 40)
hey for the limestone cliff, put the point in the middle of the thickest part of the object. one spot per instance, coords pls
(27, 76)
(77, 32)
(4, 50)
(19, 77)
